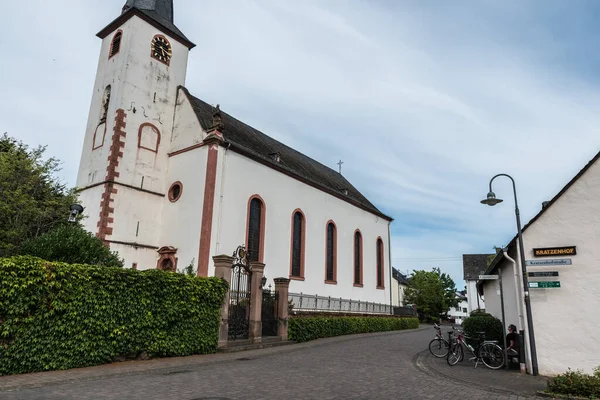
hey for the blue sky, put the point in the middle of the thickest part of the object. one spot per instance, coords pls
(423, 100)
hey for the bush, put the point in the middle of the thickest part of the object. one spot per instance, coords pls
(305, 328)
(58, 316)
(484, 323)
(71, 244)
(576, 383)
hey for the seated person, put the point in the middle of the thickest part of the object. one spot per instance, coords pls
(512, 342)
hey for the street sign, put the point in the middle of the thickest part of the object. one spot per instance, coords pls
(542, 273)
(544, 285)
(487, 277)
(562, 261)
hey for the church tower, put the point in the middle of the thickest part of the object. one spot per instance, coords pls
(121, 179)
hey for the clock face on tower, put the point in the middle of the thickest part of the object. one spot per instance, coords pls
(161, 49)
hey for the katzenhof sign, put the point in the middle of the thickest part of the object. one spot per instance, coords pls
(555, 251)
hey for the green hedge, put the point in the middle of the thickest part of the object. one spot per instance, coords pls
(59, 316)
(576, 383)
(305, 328)
(484, 323)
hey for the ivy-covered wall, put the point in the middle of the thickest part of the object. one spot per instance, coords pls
(59, 316)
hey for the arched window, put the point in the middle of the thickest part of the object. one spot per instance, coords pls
(297, 250)
(115, 45)
(358, 263)
(380, 264)
(148, 137)
(255, 229)
(331, 253)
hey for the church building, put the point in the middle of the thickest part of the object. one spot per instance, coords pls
(168, 180)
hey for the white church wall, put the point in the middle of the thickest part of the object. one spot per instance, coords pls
(182, 219)
(186, 128)
(90, 199)
(282, 195)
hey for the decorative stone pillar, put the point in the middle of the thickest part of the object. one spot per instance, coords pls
(223, 265)
(255, 332)
(282, 287)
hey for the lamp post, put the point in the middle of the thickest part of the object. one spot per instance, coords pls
(491, 200)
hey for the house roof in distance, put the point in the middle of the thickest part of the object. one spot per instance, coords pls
(256, 145)
(474, 265)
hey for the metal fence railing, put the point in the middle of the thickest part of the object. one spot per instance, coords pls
(308, 302)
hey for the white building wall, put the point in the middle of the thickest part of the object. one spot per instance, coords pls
(242, 178)
(182, 219)
(460, 312)
(473, 297)
(146, 90)
(562, 315)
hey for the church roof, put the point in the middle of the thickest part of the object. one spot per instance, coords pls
(156, 12)
(256, 145)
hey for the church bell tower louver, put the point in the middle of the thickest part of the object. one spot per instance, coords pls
(121, 178)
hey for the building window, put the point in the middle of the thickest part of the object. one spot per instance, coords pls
(379, 263)
(255, 229)
(331, 253)
(358, 273)
(115, 45)
(175, 191)
(297, 251)
(464, 310)
(148, 137)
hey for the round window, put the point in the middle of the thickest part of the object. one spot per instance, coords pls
(175, 191)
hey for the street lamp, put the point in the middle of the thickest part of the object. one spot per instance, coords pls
(76, 209)
(491, 200)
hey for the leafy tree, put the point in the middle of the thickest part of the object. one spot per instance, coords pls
(433, 292)
(32, 200)
(71, 244)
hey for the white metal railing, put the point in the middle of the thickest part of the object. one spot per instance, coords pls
(313, 302)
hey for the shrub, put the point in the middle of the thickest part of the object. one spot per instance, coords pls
(484, 323)
(576, 383)
(305, 328)
(58, 316)
(71, 244)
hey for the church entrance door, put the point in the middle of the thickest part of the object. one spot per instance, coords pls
(239, 296)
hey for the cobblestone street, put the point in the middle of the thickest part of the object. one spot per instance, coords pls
(373, 366)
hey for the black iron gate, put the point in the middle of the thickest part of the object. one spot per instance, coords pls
(239, 296)
(269, 312)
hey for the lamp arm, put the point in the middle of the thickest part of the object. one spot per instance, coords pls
(514, 189)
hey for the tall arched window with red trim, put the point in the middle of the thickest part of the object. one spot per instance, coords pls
(331, 250)
(115, 44)
(297, 253)
(358, 258)
(379, 263)
(255, 221)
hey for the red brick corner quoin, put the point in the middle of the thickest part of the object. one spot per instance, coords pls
(207, 208)
(116, 153)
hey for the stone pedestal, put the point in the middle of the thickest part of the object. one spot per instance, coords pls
(255, 332)
(223, 265)
(282, 287)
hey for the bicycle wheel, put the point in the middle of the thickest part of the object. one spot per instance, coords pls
(455, 354)
(491, 355)
(438, 348)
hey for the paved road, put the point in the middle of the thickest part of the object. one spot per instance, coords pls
(378, 366)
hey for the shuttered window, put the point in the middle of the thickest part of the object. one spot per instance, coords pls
(330, 261)
(115, 45)
(357, 258)
(379, 263)
(297, 237)
(254, 229)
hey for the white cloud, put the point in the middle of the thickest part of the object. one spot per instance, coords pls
(424, 104)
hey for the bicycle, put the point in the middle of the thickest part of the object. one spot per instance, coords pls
(486, 351)
(439, 345)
